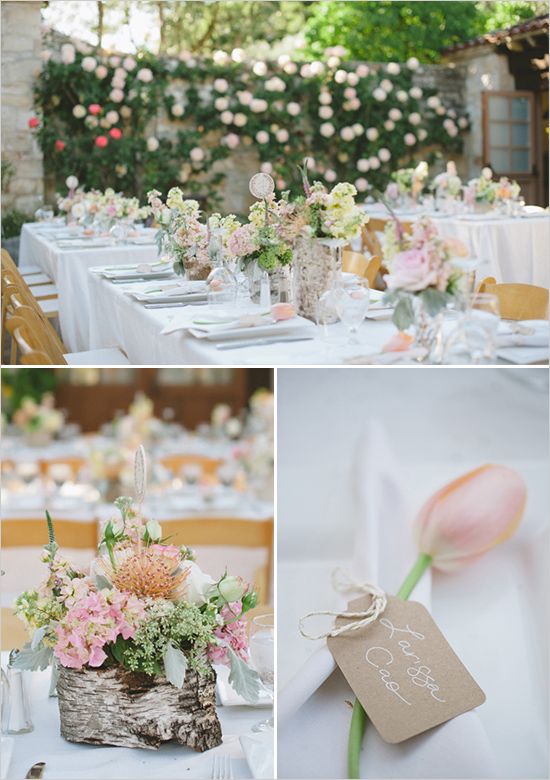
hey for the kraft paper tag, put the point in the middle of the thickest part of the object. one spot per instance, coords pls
(403, 670)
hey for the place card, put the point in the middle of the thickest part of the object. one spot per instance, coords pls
(403, 671)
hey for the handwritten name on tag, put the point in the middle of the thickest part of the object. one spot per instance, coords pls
(403, 670)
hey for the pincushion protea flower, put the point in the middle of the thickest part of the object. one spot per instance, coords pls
(153, 571)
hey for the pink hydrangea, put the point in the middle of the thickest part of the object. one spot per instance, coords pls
(240, 242)
(231, 635)
(94, 621)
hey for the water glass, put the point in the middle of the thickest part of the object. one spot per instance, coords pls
(262, 649)
(352, 305)
(473, 341)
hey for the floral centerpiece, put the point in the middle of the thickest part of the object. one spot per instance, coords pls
(104, 208)
(506, 191)
(480, 192)
(139, 425)
(133, 641)
(410, 181)
(39, 422)
(447, 185)
(110, 468)
(422, 278)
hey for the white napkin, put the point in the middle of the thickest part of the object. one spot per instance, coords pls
(212, 319)
(6, 753)
(509, 337)
(258, 751)
(314, 708)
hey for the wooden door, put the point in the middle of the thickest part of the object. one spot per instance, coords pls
(511, 144)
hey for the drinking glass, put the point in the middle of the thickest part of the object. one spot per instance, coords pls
(262, 654)
(474, 338)
(352, 305)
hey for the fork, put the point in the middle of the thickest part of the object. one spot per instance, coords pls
(222, 767)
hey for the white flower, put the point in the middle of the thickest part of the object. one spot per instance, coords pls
(386, 85)
(330, 175)
(257, 105)
(231, 140)
(129, 63)
(401, 95)
(118, 83)
(412, 63)
(262, 137)
(244, 97)
(452, 130)
(112, 117)
(221, 85)
(145, 75)
(226, 117)
(362, 70)
(197, 583)
(358, 129)
(221, 103)
(317, 68)
(389, 125)
(440, 111)
(393, 68)
(415, 92)
(260, 68)
(325, 97)
(326, 129)
(340, 77)
(293, 108)
(45, 55)
(415, 118)
(266, 167)
(104, 123)
(325, 112)
(221, 57)
(237, 55)
(91, 121)
(372, 133)
(409, 139)
(363, 165)
(352, 105)
(462, 122)
(120, 73)
(290, 68)
(275, 84)
(433, 101)
(282, 135)
(361, 184)
(374, 163)
(71, 182)
(422, 134)
(240, 120)
(114, 61)
(196, 154)
(305, 71)
(101, 71)
(125, 111)
(395, 114)
(232, 588)
(333, 61)
(350, 93)
(89, 64)
(353, 79)
(379, 94)
(487, 173)
(452, 113)
(177, 110)
(384, 155)
(78, 210)
(68, 54)
(79, 111)
(347, 134)
(152, 144)
(116, 95)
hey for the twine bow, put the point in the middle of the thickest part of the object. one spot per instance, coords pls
(343, 583)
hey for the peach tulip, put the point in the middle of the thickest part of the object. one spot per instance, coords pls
(470, 515)
(283, 311)
(399, 342)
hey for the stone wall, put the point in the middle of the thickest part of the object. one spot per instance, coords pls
(21, 47)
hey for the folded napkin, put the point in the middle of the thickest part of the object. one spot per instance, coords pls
(314, 709)
(258, 751)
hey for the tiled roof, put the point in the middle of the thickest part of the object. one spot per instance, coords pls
(534, 25)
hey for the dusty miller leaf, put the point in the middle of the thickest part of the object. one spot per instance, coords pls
(243, 679)
(38, 636)
(175, 666)
(403, 314)
(27, 658)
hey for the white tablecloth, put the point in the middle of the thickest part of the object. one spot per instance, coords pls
(68, 268)
(510, 249)
(68, 761)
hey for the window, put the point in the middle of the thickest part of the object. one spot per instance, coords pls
(508, 132)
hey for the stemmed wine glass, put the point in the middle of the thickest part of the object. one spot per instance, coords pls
(474, 338)
(352, 305)
(262, 655)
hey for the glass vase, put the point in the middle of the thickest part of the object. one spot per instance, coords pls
(428, 332)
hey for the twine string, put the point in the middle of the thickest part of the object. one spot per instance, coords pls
(342, 582)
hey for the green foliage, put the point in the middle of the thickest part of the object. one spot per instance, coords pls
(128, 165)
(386, 30)
(19, 383)
(12, 222)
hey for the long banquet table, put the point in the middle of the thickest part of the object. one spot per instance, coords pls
(118, 320)
(68, 268)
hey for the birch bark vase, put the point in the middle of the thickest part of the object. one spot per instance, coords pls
(129, 709)
(315, 266)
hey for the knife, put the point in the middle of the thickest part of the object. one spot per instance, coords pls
(36, 770)
(173, 305)
(261, 342)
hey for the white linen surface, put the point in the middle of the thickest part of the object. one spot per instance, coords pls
(68, 761)
(505, 737)
(117, 320)
(68, 268)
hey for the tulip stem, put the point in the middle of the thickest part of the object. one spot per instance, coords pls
(359, 716)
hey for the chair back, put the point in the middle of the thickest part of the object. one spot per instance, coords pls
(518, 301)
(175, 463)
(357, 263)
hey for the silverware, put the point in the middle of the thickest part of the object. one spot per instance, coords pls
(261, 342)
(131, 280)
(36, 770)
(177, 304)
(222, 767)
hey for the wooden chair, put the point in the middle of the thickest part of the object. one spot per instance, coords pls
(228, 532)
(175, 463)
(357, 263)
(518, 301)
(370, 239)
(74, 463)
